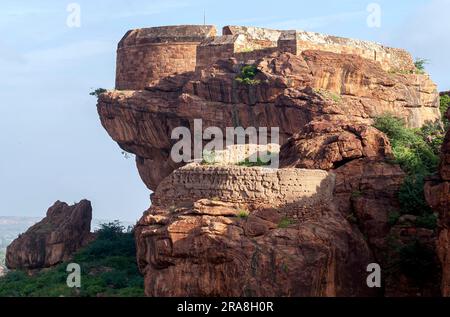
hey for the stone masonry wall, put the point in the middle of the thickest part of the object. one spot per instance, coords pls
(390, 58)
(245, 185)
(146, 55)
(138, 67)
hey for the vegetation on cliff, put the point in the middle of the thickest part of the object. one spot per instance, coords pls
(417, 152)
(108, 268)
(444, 105)
(247, 76)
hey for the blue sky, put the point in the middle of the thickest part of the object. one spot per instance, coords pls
(53, 146)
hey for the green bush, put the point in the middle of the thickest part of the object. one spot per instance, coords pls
(97, 92)
(444, 105)
(433, 135)
(411, 196)
(243, 214)
(417, 153)
(420, 65)
(108, 268)
(428, 221)
(247, 76)
(411, 151)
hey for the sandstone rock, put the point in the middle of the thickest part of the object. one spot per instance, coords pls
(54, 239)
(368, 189)
(203, 255)
(329, 145)
(293, 91)
(367, 194)
(437, 194)
(234, 231)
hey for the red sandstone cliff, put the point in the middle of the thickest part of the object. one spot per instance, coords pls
(195, 240)
(437, 193)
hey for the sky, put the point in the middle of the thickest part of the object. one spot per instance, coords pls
(53, 146)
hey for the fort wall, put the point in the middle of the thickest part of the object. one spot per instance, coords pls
(245, 185)
(147, 55)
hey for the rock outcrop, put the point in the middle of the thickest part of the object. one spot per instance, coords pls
(63, 231)
(237, 246)
(294, 91)
(437, 193)
(248, 231)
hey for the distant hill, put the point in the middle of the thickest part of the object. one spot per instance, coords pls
(108, 268)
(11, 227)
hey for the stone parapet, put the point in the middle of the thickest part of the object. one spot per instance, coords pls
(245, 185)
(146, 55)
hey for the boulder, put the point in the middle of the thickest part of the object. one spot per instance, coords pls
(54, 239)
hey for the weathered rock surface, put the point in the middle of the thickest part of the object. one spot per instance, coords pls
(367, 189)
(228, 231)
(207, 250)
(437, 193)
(294, 91)
(330, 144)
(61, 233)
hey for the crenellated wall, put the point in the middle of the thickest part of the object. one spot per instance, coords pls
(147, 55)
(391, 59)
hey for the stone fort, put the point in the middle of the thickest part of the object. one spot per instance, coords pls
(149, 54)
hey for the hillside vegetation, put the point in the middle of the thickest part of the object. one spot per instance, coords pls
(108, 268)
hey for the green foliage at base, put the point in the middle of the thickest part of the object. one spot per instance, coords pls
(417, 152)
(108, 268)
(443, 106)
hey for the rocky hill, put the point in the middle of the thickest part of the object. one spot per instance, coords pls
(10, 228)
(345, 110)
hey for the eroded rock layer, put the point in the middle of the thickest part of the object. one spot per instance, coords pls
(54, 239)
